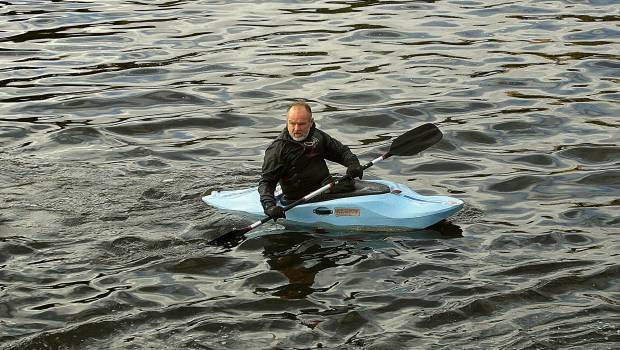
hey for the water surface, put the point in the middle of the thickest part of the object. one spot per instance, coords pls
(118, 116)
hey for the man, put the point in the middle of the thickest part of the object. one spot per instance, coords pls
(296, 159)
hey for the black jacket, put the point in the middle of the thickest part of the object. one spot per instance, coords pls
(300, 166)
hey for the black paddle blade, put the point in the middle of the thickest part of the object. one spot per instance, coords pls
(230, 239)
(415, 140)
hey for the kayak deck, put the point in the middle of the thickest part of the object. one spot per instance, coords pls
(391, 206)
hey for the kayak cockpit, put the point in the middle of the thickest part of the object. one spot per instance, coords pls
(362, 188)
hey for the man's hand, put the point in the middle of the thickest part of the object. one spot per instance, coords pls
(355, 170)
(275, 212)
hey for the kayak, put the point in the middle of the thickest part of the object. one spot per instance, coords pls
(373, 205)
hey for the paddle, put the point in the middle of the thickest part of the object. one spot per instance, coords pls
(412, 142)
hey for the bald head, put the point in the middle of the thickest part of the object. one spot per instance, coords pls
(300, 103)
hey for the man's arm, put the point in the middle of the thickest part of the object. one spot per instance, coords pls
(339, 153)
(335, 151)
(271, 173)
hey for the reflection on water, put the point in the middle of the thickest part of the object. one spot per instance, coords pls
(300, 257)
(118, 116)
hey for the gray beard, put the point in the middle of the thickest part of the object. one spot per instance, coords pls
(299, 139)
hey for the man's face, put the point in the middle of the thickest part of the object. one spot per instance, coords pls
(298, 123)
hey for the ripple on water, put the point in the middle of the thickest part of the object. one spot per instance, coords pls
(381, 34)
(9, 249)
(256, 94)
(365, 121)
(517, 183)
(443, 166)
(593, 215)
(609, 178)
(601, 67)
(421, 269)
(605, 278)
(593, 35)
(543, 268)
(365, 98)
(590, 154)
(350, 323)
(208, 122)
(77, 135)
(605, 114)
(9, 134)
(548, 241)
(456, 107)
(515, 126)
(540, 160)
(216, 266)
(475, 137)
(413, 112)
(91, 106)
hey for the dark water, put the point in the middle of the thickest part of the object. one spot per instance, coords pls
(117, 116)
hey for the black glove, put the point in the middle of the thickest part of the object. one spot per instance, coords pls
(275, 212)
(355, 170)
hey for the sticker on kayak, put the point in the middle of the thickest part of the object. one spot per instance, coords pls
(346, 212)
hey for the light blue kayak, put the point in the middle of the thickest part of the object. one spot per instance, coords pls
(374, 205)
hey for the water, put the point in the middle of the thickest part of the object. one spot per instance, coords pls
(118, 116)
